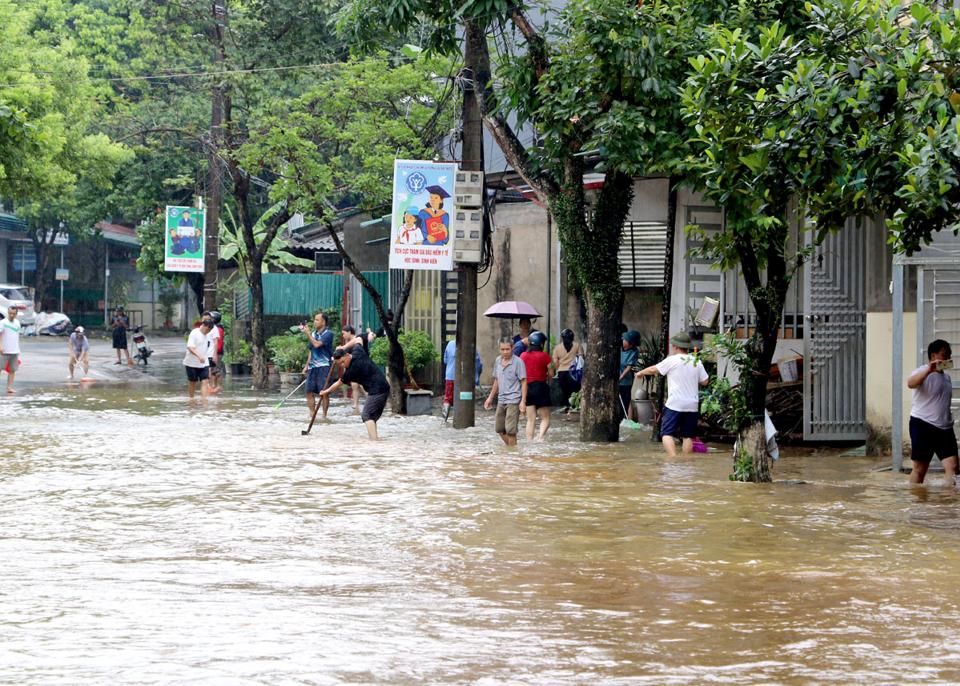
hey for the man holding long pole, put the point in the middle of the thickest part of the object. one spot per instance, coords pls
(357, 366)
(320, 342)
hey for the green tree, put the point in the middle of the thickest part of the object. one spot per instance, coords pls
(597, 80)
(820, 110)
(334, 146)
(61, 156)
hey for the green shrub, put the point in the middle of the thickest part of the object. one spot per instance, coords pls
(288, 352)
(418, 349)
(239, 353)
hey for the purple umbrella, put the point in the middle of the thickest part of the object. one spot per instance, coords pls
(512, 309)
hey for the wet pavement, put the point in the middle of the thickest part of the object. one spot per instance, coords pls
(148, 540)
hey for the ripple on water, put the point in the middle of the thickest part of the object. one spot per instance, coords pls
(147, 541)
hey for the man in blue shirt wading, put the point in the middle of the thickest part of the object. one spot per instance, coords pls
(320, 341)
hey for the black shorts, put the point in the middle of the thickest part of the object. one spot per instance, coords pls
(195, 374)
(538, 394)
(927, 439)
(119, 339)
(317, 379)
(679, 424)
(373, 407)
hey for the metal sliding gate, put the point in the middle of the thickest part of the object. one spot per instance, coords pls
(938, 316)
(835, 366)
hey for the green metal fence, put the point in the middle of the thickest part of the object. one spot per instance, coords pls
(304, 294)
(301, 294)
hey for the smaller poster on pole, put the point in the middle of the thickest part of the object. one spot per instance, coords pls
(423, 193)
(184, 240)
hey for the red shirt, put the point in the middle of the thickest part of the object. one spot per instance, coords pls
(536, 363)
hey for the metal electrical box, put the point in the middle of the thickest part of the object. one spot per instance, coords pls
(467, 227)
(469, 189)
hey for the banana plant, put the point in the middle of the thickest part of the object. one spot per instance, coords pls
(277, 256)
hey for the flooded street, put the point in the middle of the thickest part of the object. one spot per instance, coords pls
(148, 542)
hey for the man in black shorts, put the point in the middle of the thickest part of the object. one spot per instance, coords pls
(931, 421)
(356, 367)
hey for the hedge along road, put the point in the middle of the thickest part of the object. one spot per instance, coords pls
(150, 541)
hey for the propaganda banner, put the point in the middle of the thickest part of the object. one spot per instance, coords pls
(423, 194)
(184, 239)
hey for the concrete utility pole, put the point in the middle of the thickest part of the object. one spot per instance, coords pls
(214, 176)
(472, 160)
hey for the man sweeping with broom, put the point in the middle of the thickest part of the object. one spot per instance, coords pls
(356, 366)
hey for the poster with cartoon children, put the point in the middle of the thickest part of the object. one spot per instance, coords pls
(422, 193)
(184, 240)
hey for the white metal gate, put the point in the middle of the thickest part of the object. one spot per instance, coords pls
(834, 405)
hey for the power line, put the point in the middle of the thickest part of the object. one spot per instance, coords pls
(183, 74)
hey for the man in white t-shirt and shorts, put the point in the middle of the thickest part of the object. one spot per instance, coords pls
(685, 374)
(931, 421)
(10, 345)
(196, 361)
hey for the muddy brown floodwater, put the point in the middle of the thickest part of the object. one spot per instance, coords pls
(145, 542)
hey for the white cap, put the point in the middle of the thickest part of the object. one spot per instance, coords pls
(79, 329)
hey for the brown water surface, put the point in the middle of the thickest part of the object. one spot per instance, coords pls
(147, 542)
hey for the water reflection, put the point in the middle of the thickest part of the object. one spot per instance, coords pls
(145, 541)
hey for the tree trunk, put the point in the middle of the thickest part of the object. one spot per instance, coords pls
(396, 361)
(600, 404)
(591, 249)
(257, 339)
(768, 295)
(753, 444)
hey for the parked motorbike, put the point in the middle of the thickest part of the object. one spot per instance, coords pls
(140, 342)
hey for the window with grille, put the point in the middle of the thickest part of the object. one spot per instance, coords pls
(643, 246)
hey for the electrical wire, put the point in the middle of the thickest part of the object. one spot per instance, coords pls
(181, 74)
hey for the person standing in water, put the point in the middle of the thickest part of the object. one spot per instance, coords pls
(357, 367)
(510, 389)
(320, 344)
(685, 374)
(931, 419)
(120, 324)
(538, 367)
(10, 345)
(564, 353)
(79, 348)
(196, 361)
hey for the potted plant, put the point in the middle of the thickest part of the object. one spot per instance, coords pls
(168, 298)
(288, 353)
(418, 351)
(238, 356)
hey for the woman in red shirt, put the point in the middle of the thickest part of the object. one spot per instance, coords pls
(539, 369)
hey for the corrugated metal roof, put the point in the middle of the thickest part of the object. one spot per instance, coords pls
(11, 222)
(119, 234)
(312, 237)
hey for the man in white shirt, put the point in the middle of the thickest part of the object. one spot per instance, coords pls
(213, 357)
(10, 345)
(685, 374)
(196, 361)
(931, 421)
